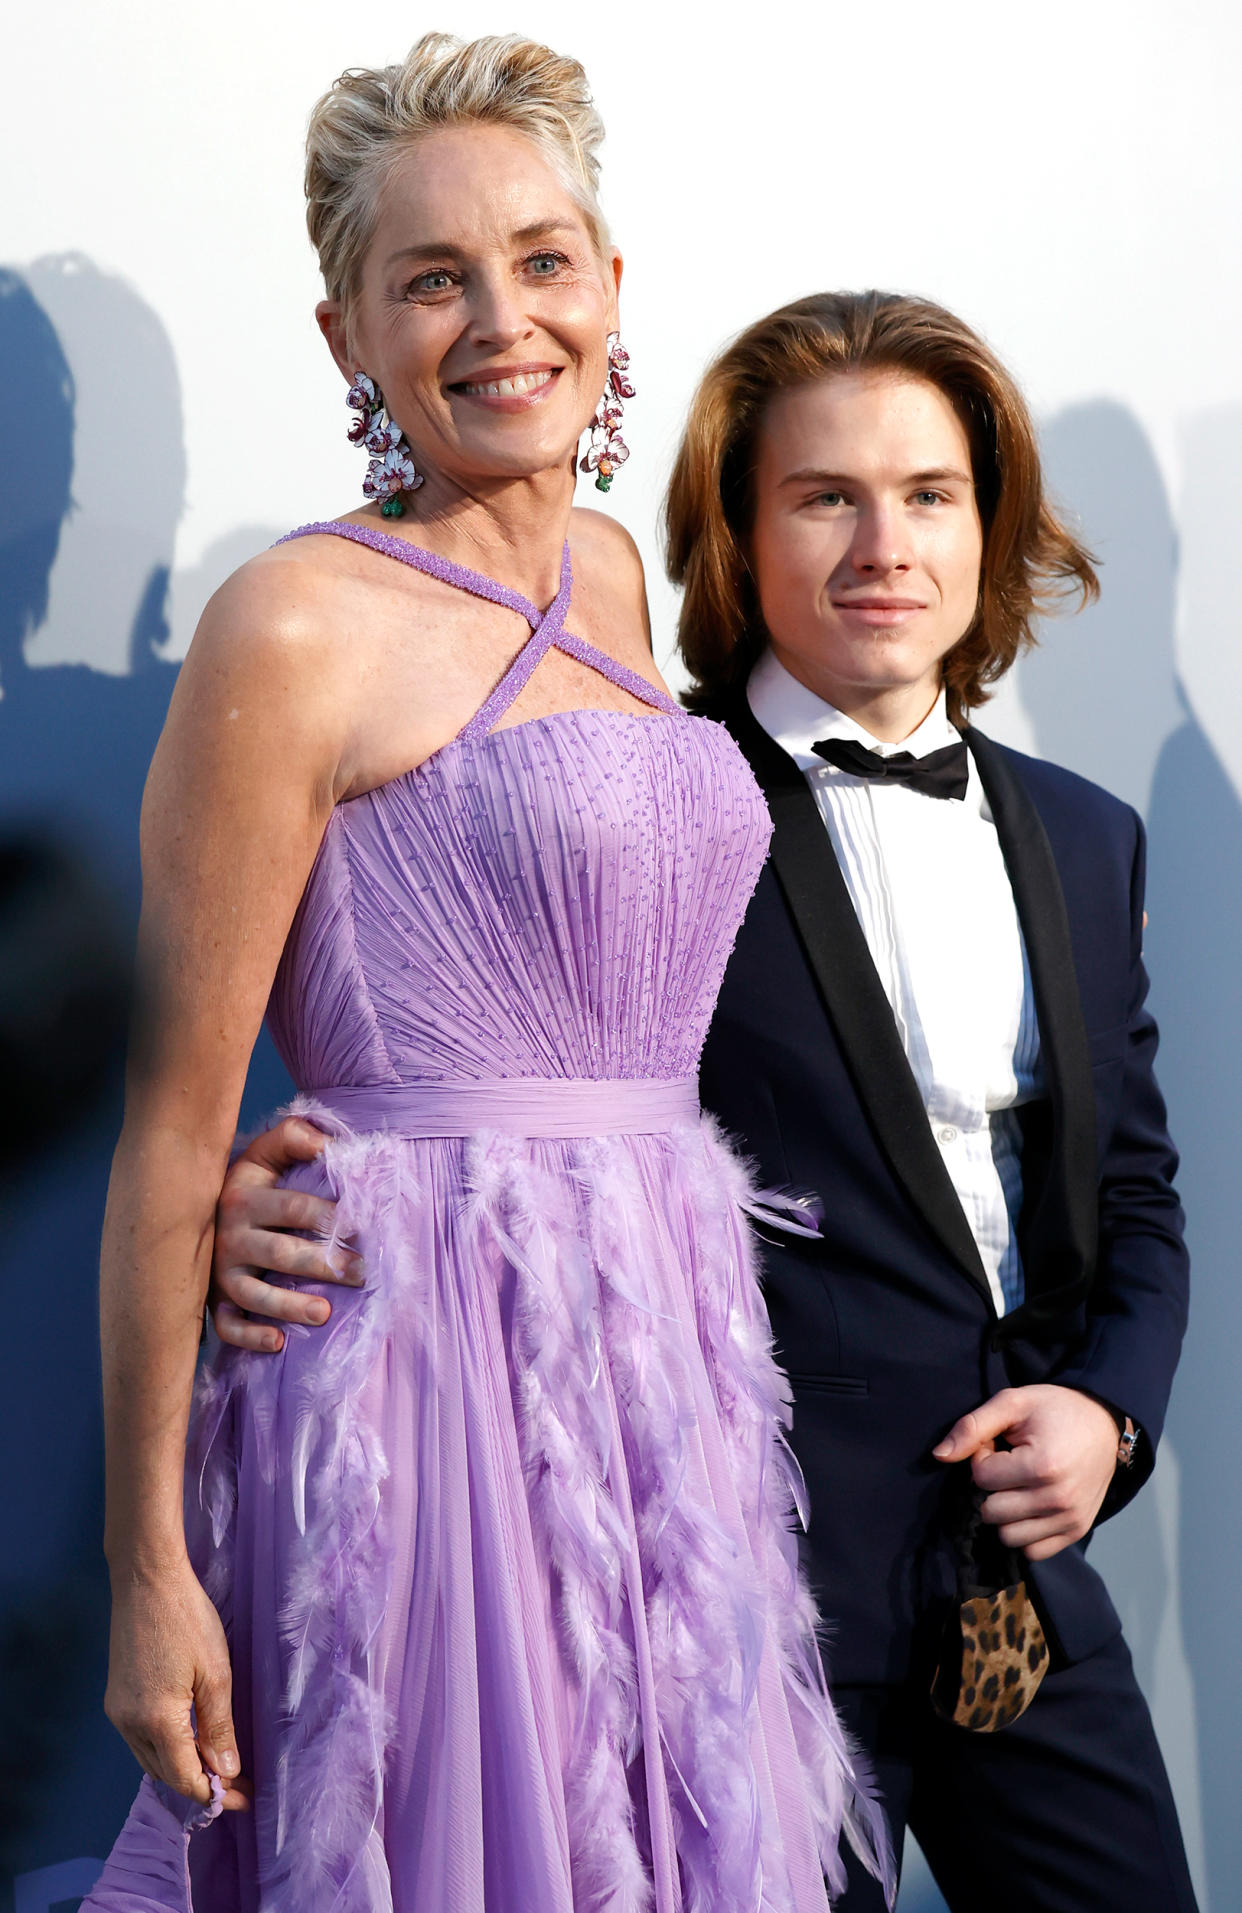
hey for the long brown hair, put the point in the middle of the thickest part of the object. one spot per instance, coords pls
(1030, 560)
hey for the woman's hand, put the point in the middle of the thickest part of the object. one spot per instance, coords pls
(168, 1654)
(253, 1218)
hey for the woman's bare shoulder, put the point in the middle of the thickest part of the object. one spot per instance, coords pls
(305, 591)
(321, 603)
(608, 571)
(601, 541)
(279, 599)
(271, 656)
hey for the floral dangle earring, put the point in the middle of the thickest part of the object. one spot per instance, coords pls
(391, 470)
(607, 450)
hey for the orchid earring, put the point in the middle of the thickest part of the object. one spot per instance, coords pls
(391, 470)
(607, 450)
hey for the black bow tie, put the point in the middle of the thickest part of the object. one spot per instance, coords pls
(942, 773)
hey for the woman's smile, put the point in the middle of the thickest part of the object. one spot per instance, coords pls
(513, 389)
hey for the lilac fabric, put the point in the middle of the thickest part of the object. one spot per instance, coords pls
(520, 1105)
(504, 1553)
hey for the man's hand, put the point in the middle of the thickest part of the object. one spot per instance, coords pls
(1044, 1490)
(252, 1219)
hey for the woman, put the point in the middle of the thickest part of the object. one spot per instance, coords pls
(504, 1566)
(934, 1017)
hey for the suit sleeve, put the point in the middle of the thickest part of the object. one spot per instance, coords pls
(1137, 1311)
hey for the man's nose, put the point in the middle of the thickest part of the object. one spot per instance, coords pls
(881, 543)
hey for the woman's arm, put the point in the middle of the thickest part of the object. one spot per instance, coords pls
(239, 793)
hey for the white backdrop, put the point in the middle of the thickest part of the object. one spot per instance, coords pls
(1065, 177)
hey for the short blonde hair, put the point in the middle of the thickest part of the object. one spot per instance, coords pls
(371, 114)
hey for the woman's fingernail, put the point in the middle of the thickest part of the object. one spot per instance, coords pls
(317, 1312)
(229, 1765)
(271, 1342)
(357, 1271)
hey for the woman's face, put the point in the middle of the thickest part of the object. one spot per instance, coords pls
(484, 309)
(866, 544)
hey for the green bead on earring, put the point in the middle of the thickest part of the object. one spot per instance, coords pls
(607, 450)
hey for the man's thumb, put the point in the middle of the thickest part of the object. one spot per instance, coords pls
(979, 1429)
(277, 1150)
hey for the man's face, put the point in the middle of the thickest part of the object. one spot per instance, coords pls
(867, 543)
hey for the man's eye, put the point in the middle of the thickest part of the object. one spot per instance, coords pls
(830, 498)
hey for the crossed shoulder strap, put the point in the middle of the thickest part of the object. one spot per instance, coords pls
(547, 628)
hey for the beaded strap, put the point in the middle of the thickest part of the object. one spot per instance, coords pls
(619, 674)
(547, 627)
(429, 561)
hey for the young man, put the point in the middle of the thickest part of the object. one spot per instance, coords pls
(932, 1033)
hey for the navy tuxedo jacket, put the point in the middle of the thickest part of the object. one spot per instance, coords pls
(884, 1321)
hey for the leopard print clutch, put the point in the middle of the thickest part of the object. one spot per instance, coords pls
(994, 1653)
(994, 1658)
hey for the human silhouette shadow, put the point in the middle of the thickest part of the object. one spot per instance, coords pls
(1104, 696)
(1101, 697)
(92, 474)
(1195, 826)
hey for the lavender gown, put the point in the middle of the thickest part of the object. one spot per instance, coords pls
(504, 1552)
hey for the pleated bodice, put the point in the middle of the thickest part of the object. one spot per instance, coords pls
(558, 898)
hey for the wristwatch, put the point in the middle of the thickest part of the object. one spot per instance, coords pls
(1129, 1434)
(1127, 1441)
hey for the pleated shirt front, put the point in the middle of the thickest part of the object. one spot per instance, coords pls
(928, 883)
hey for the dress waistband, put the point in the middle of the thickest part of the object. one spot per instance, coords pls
(519, 1105)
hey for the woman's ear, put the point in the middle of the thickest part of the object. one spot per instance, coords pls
(330, 318)
(613, 266)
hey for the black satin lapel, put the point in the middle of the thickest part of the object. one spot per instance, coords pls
(1065, 1225)
(819, 902)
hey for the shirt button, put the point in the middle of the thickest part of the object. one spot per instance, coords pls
(947, 1133)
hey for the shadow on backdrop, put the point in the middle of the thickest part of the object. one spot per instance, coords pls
(1104, 697)
(1196, 948)
(92, 480)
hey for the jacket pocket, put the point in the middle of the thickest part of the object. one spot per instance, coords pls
(1108, 1046)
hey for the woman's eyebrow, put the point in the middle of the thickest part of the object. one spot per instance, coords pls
(448, 249)
(428, 249)
(544, 229)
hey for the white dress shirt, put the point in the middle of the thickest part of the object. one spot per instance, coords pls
(930, 888)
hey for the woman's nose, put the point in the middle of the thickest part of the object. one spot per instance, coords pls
(499, 316)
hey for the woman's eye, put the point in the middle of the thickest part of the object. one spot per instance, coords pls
(830, 498)
(928, 498)
(438, 279)
(544, 265)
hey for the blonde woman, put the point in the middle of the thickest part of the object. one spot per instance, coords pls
(503, 1561)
